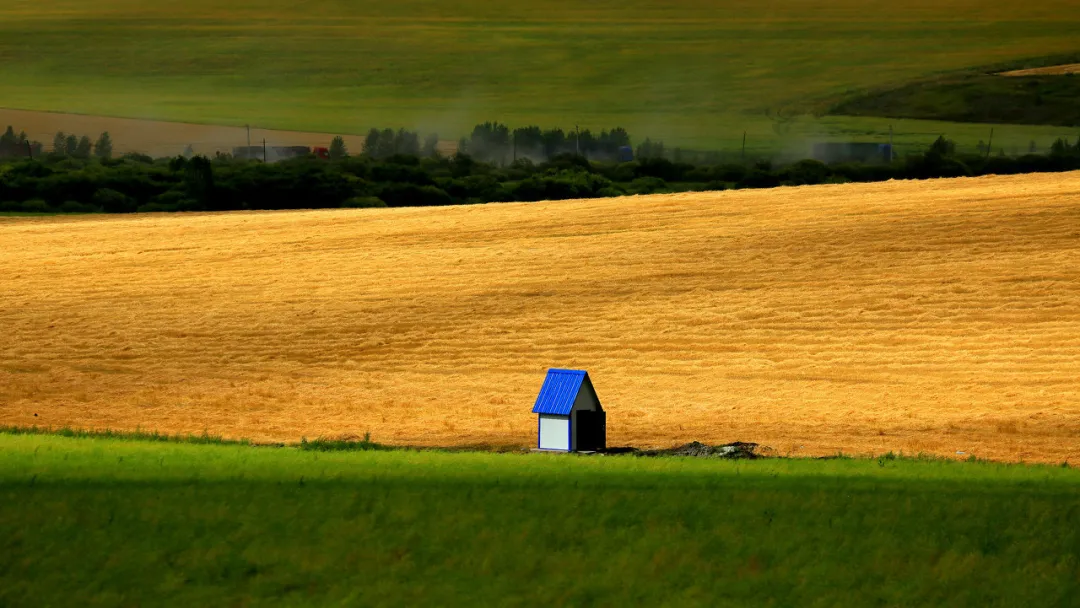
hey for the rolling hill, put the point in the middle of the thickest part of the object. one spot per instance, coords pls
(937, 316)
(697, 74)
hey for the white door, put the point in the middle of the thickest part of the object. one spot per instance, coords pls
(554, 432)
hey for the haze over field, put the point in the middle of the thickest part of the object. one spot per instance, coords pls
(696, 74)
(938, 316)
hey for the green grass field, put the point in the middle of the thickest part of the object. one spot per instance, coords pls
(110, 522)
(694, 73)
(976, 97)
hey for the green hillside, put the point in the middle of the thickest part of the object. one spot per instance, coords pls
(106, 522)
(977, 95)
(694, 73)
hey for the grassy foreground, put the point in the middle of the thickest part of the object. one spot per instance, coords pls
(101, 521)
(697, 74)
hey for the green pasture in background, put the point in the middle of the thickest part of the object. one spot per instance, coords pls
(92, 521)
(696, 74)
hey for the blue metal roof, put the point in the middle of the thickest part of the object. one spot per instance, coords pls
(559, 391)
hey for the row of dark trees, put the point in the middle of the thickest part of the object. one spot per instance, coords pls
(388, 142)
(496, 142)
(69, 144)
(63, 145)
(61, 183)
(17, 146)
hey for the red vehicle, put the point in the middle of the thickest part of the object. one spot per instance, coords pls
(322, 153)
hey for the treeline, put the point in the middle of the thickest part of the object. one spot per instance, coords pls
(79, 183)
(68, 144)
(497, 143)
(17, 146)
(494, 142)
(63, 145)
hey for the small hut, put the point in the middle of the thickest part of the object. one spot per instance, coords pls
(570, 416)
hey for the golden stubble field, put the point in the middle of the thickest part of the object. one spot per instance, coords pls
(939, 316)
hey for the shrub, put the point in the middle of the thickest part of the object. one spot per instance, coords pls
(609, 192)
(137, 158)
(647, 185)
(363, 202)
(729, 173)
(564, 185)
(483, 187)
(35, 206)
(77, 207)
(154, 207)
(112, 201)
(661, 168)
(567, 162)
(805, 172)
(390, 172)
(412, 195)
(759, 178)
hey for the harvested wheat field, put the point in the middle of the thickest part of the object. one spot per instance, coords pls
(939, 316)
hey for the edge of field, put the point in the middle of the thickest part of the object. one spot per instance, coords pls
(344, 451)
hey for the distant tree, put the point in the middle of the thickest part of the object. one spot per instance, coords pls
(943, 147)
(431, 145)
(83, 148)
(113, 201)
(338, 149)
(611, 140)
(371, 143)
(650, 149)
(71, 145)
(490, 142)
(178, 164)
(407, 143)
(461, 164)
(1032, 148)
(8, 138)
(387, 144)
(528, 143)
(59, 145)
(554, 142)
(199, 178)
(586, 143)
(103, 148)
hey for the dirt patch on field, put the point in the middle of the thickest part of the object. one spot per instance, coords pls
(934, 316)
(160, 138)
(1054, 70)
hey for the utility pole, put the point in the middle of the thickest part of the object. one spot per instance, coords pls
(989, 145)
(890, 145)
(577, 140)
(264, 150)
(29, 150)
(744, 146)
(248, 151)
